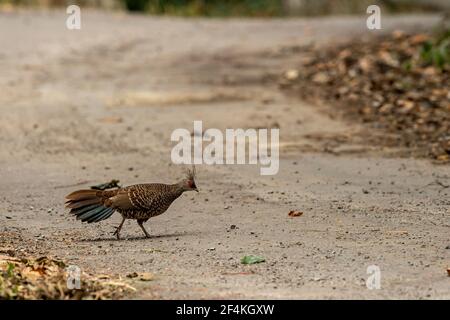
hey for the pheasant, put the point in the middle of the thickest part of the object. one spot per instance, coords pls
(139, 202)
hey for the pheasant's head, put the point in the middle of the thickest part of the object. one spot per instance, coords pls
(189, 182)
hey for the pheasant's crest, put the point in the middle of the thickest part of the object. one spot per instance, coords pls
(191, 174)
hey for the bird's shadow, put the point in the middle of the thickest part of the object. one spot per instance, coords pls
(136, 238)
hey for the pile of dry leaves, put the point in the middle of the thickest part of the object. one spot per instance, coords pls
(398, 83)
(45, 278)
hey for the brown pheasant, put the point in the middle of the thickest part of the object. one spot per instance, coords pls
(140, 202)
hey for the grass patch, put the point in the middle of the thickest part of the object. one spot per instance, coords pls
(212, 8)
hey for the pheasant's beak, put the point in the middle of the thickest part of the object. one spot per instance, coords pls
(196, 189)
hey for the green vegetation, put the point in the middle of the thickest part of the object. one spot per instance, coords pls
(207, 7)
(436, 52)
(228, 8)
(136, 5)
(252, 259)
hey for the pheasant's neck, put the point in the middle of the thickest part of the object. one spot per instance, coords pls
(178, 188)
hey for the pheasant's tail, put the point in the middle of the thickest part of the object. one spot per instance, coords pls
(88, 205)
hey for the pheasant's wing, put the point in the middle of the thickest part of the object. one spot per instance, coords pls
(140, 196)
(121, 200)
(145, 195)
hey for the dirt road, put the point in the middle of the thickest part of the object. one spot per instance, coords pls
(83, 107)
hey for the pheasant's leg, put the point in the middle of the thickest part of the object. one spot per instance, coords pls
(117, 232)
(141, 224)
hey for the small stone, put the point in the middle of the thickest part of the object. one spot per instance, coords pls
(317, 279)
(291, 74)
(146, 276)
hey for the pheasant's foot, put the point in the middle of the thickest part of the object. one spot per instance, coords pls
(141, 224)
(117, 232)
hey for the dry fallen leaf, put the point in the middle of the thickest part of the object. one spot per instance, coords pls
(394, 84)
(293, 213)
(419, 38)
(112, 119)
(443, 157)
(46, 278)
(8, 258)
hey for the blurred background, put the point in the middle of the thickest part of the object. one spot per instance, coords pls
(257, 8)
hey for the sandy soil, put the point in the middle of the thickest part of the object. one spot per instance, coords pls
(82, 107)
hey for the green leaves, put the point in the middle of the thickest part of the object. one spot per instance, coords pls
(10, 269)
(252, 259)
(437, 52)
